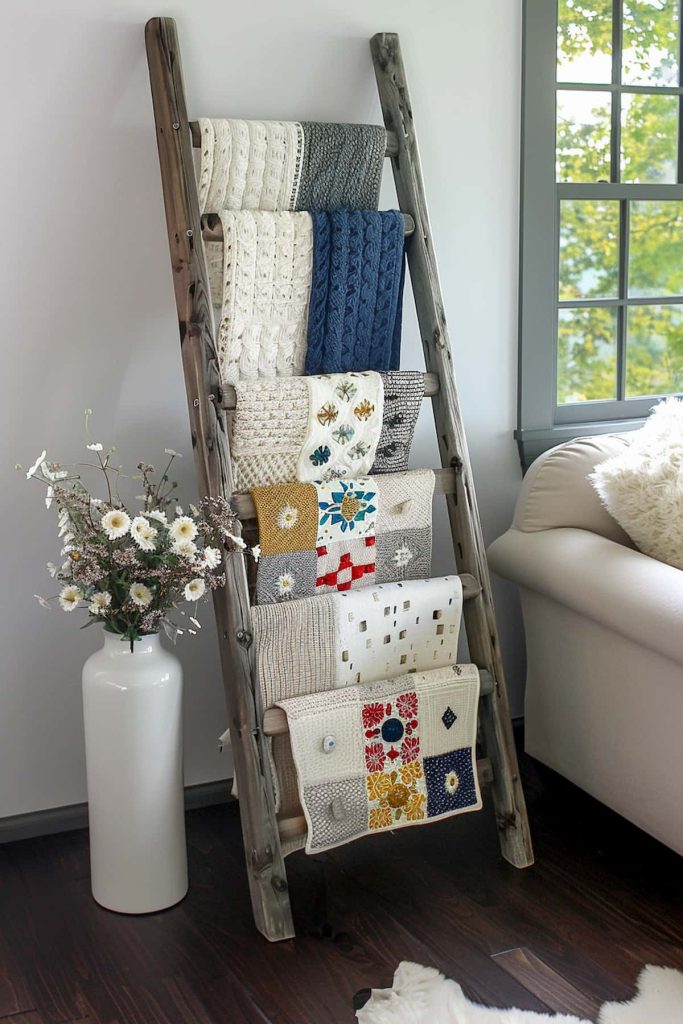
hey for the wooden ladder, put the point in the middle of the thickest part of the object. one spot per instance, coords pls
(208, 403)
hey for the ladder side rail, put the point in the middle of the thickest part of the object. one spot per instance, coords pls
(265, 863)
(480, 624)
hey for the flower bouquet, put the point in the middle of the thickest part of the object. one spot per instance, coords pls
(132, 568)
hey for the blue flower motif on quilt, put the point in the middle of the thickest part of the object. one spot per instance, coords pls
(349, 505)
(450, 782)
(320, 456)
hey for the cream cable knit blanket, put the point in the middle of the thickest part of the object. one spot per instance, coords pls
(266, 285)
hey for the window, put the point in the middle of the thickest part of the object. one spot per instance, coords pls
(601, 299)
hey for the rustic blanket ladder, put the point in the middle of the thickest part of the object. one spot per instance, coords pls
(208, 403)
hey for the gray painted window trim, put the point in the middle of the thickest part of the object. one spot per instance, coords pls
(541, 422)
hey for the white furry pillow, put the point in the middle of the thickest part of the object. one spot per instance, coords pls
(643, 486)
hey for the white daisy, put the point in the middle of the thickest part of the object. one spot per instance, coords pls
(287, 517)
(183, 528)
(195, 589)
(99, 602)
(69, 597)
(116, 523)
(49, 496)
(140, 595)
(256, 552)
(95, 447)
(285, 584)
(41, 601)
(212, 558)
(158, 516)
(143, 533)
(176, 455)
(451, 782)
(186, 548)
(402, 556)
(52, 569)
(36, 465)
(234, 538)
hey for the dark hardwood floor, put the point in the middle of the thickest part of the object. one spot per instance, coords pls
(602, 901)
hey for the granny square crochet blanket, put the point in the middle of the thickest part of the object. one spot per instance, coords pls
(385, 755)
(362, 530)
(323, 427)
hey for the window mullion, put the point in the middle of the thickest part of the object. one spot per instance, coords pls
(617, 38)
(679, 176)
(622, 313)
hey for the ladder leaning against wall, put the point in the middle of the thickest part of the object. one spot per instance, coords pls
(250, 725)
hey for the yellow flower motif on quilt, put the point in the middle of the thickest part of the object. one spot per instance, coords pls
(364, 410)
(410, 772)
(379, 784)
(380, 817)
(415, 809)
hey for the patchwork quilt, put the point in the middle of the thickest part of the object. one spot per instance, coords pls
(343, 534)
(385, 755)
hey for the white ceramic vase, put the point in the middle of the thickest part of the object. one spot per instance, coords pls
(132, 709)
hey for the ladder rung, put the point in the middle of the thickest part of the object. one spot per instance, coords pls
(275, 719)
(229, 398)
(243, 503)
(294, 828)
(392, 142)
(212, 228)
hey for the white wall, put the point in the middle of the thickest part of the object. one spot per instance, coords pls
(89, 318)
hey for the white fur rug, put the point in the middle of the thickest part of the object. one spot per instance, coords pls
(420, 995)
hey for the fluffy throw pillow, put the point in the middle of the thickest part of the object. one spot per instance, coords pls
(643, 486)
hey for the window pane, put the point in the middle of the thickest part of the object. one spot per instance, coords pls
(584, 41)
(655, 258)
(649, 138)
(586, 354)
(650, 42)
(654, 353)
(589, 249)
(583, 136)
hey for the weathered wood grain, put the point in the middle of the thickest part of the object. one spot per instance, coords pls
(265, 864)
(470, 553)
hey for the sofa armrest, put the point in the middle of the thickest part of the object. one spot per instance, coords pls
(556, 490)
(623, 589)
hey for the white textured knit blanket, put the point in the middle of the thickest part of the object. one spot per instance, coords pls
(261, 278)
(385, 755)
(356, 637)
(344, 425)
(249, 165)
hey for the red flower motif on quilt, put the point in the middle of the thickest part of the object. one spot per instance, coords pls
(410, 749)
(375, 757)
(406, 705)
(373, 714)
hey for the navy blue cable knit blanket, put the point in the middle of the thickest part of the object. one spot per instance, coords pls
(354, 319)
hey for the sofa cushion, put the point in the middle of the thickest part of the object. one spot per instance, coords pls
(642, 487)
(556, 491)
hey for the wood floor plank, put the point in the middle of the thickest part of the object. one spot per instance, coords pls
(546, 983)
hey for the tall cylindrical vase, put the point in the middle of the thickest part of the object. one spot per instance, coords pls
(132, 710)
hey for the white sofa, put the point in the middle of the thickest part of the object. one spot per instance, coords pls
(604, 639)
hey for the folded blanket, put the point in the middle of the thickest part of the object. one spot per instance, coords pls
(344, 425)
(341, 535)
(385, 755)
(287, 165)
(266, 284)
(342, 166)
(274, 418)
(356, 636)
(354, 320)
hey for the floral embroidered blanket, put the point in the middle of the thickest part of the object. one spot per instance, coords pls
(343, 534)
(385, 755)
(317, 428)
(353, 637)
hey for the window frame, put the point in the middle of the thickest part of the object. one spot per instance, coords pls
(542, 423)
